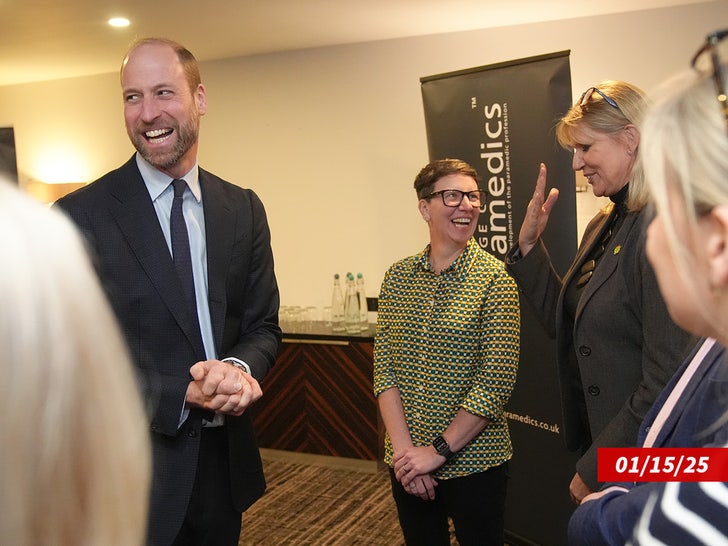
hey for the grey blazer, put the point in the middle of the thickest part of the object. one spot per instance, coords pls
(624, 342)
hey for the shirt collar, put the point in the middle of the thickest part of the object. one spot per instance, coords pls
(156, 181)
(458, 268)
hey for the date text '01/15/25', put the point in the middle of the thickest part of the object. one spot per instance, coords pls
(662, 464)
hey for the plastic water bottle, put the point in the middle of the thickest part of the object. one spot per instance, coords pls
(351, 306)
(362, 294)
(337, 307)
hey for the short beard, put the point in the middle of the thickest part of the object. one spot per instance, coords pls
(187, 135)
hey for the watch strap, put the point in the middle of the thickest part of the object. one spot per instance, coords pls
(237, 363)
(443, 448)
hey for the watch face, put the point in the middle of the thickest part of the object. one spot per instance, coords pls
(440, 444)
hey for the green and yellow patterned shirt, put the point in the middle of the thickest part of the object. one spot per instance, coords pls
(447, 342)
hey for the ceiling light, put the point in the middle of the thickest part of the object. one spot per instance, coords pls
(119, 22)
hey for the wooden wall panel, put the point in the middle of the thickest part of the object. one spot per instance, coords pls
(318, 399)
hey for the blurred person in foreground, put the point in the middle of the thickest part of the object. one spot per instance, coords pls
(186, 260)
(685, 154)
(75, 460)
(445, 361)
(617, 346)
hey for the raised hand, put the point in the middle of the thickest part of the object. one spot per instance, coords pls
(537, 213)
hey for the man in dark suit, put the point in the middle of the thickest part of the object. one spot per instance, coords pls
(200, 349)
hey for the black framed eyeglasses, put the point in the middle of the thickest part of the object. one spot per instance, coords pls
(708, 60)
(587, 95)
(453, 198)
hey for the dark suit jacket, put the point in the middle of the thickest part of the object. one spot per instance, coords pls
(135, 266)
(695, 421)
(624, 342)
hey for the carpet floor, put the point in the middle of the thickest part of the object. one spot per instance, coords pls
(322, 505)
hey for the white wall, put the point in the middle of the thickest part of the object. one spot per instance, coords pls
(331, 138)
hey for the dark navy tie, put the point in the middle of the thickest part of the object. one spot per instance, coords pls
(183, 262)
(181, 246)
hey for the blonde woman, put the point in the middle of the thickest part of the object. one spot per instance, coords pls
(617, 346)
(75, 457)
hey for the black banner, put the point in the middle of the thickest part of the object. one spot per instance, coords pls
(500, 119)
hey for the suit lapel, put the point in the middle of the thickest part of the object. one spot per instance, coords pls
(134, 213)
(609, 261)
(219, 234)
(686, 397)
(591, 238)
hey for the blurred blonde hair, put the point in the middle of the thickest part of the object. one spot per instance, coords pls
(75, 463)
(599, 115)
(685, 146)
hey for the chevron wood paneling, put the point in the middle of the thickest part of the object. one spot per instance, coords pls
(318, 399)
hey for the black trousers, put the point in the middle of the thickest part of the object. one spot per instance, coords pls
(475, 503)
(211, 519)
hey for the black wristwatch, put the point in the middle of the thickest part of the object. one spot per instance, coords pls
(442, 448)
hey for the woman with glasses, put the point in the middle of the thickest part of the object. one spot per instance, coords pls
(617, 346)
(685, 153)
(445, 361)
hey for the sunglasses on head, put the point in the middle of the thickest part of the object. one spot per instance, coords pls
(708, 61)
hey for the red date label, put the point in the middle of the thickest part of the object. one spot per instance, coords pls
(662, 464)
